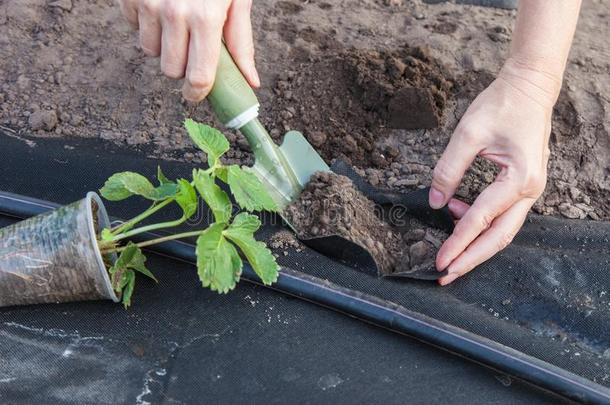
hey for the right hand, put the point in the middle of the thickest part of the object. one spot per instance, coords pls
(187, 35)
(508, 124)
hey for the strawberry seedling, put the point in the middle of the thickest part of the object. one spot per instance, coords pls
(219, 263)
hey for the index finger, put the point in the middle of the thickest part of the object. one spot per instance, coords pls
(490, 242)
(492, 202)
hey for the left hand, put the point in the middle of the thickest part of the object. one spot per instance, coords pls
(508, 124)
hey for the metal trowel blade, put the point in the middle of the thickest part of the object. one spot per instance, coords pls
(302, 157)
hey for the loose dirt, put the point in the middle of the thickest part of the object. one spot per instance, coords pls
(331, 205)
(283, 242)
(355, 76)
(345, 101)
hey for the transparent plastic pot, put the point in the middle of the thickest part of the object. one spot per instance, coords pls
(54, 257)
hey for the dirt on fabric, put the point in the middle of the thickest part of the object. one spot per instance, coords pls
(284, 241)
(331, 205)
(381, 84)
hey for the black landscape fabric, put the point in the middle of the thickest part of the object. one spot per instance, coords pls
(546, 295)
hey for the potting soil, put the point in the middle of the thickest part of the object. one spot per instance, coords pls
(546, 295)
(331, 205)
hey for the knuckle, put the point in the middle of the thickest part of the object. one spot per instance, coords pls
(485, 220)
(460, 229)
(200, 82)
(212, 16)
(149, 50)
(216, 16)
(505, 240)
(534, 184)
(172, 71)
(468, 135)
(443, 175)
(173, 11)
(149, 7)
(466, 269)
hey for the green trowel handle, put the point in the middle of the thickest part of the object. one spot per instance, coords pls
(236, 106)
(231, 96)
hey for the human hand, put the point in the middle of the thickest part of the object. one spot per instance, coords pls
(508, 124)
(187, 34)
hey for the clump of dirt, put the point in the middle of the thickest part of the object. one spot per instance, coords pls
(331, 205)
(283, 240)
(345, 101)
(407, 87)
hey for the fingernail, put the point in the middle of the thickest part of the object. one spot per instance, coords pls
(448, 279)
(437, 199)
(441, 266)
(257, 78)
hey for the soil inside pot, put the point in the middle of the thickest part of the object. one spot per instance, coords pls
(331, 205)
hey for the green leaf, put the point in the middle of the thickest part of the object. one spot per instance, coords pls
(165, 191)
(123, 275)
(213, 195)
(125, 258)
(161, 177)
(208, 139)
(260, 258)
(218, 263)
(246, 223)
(222, 173)
(130, 283)
(123, 185)
(248, 190)
(187, 198)
(138, 264)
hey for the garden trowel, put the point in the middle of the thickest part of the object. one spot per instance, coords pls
(284, 170)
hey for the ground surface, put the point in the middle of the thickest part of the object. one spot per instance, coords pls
(335, 70)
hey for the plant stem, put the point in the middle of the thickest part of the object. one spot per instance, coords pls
(148, 228)
(154, 208)
(125, 230)
(156, 241)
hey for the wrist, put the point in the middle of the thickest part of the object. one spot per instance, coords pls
(538, 79)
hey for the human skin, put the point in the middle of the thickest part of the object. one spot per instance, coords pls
(509, 124)
(187, 35)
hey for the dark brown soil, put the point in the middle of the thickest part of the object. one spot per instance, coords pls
(331, 205)
(329, 69)
(345, 101)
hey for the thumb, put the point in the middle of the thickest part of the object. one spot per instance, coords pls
(450, 168)
(238, 37)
